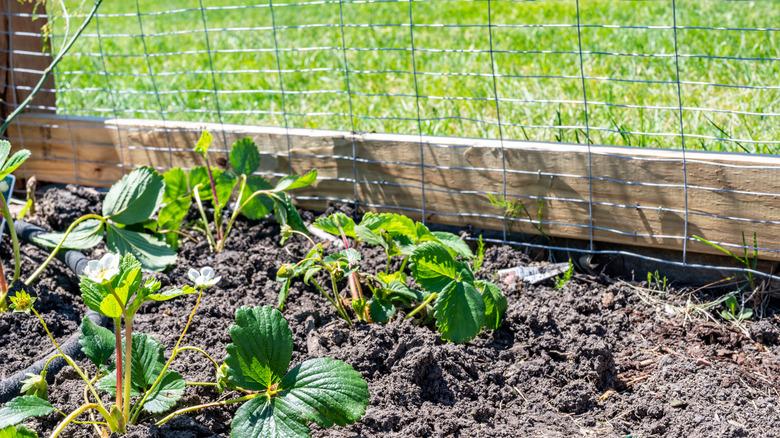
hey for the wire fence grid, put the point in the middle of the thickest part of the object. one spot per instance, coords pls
(668, 74)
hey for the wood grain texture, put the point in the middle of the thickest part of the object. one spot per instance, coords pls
(637, 195)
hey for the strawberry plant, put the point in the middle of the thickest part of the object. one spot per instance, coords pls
(127, 207)
(441, 264)
(252, 195)
(131, 366)
(7, 166)
(281, 402)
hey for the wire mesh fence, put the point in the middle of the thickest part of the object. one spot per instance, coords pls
(682, 75)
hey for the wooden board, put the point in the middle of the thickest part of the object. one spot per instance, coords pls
(638, 194)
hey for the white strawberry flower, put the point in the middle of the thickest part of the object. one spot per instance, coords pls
(204, 278)
(103, 270)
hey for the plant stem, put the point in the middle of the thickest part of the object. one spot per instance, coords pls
(170, 416)
(334, 303)
(119, 361)
(339, 305)
(128, 369)
(201, 384)
(73, 365)
(57, 248)
(199, 204)
(174, 353)
(49, 361)
(425, 303)
(217, 206)
(72, 417)
(9, 220)
(202, 352)
(240, 207)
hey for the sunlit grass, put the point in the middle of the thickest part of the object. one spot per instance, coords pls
(730, 104)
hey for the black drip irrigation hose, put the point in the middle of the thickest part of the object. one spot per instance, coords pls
(75, 261)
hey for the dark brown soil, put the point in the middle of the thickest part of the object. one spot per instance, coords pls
(594, 359)
(55, 290)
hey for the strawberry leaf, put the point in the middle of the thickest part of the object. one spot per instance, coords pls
(433, 267)
(322, 391)
(86, 235)
(152, 252)
(454, 243)
(244, 157)
(17, 432)
(97, 343)
(459, 312)
(261, 349)
(259, 206)
(22, 408)
(495, 303)
(135, 197)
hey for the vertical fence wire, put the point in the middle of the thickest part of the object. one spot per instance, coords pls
(280, 75)
(214, 78)
(591, 229)
(111, 95)
(419, 117)
(353, 130)
(682, 133)
(504, 231)
(153, 79)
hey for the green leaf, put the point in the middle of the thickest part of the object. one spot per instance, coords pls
(200, 176)
(166, 394)
(22, 408)
(153, 253)
(286, 214)
(204, 143)
(331, 223)
(86, 235)
(454, 243)
(5, 149)
(225, 183)
(259, 206)
(135, 197)
(495, 303)
(433, 266)
(281, 299)
(13, 163)
(380, 310)
(267, 418)
(292, 182)
(261, 349)
(98, 343)
(244, 157)
(172, 214)
(322, 391)
(146, 362)
(325, 391)
(170, 294)
(392, 223)
(93, 294)
(459, 312)
(363, 234)
(397, 290)
(17, 432)
(176, 185)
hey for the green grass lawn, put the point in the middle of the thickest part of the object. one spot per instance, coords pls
(730, 104)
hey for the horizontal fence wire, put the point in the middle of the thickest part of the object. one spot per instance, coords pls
(668, 75)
